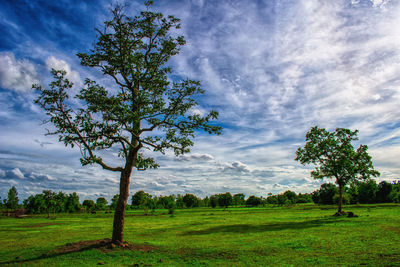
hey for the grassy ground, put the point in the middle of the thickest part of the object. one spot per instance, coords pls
(303, 235)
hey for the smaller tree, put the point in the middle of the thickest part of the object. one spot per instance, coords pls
(140, 199)
(384, 192)
(253, 201)
(89, 204)
(101, 203)
(334, 156)
(291, 196)
(225, 200)
(73, 204)
(326, 193)
(213, 201)
(190, 200)
(50, 201)
(114, 200)
(238, 199)
(367, 191)
(12, 198)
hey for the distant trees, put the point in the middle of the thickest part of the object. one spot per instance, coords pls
(225, 200)
(238, 199)
(114, 200)
(190, 200)
(12, 198)
(89, 204)
(140, 199)
(101, 203)
(50, 202)
(359, 192)
(334, 156)
(254, 201)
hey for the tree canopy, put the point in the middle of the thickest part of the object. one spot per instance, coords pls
(334, 156)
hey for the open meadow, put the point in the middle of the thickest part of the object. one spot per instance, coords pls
(300, 235)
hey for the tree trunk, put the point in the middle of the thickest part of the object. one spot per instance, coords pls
(340, 199)
(119, 215)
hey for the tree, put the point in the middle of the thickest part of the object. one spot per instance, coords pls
(384, 192)
(133, 53)
(213, 201)
(291, 196)
(335, 157)
(225, 200)
(50, 201)
(238, 199)
(72, 204)
(12, 198)
(89, 204)
(140, 199)
(253, 201)
(326, 193)
(101, 203)
(367, 191)
(190, 200)
(114, 200)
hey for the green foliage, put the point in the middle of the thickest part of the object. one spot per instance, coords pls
(334, 156)
(384, 193)
(190, 200)
(254, 201)
(367, 191)
(114, 200)
(304, 198)
(141, 199)
(213, 201)
(133, 53)
(101, 203)
(12, 198)
(225, 200)
(238, 199)
(326, 193)
(89, 204)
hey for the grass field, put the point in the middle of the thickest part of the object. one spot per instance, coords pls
(302, 235)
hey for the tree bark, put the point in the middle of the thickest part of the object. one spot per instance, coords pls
(340, 199)
(119, 215)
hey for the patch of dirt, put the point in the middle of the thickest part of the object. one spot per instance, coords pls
(104, 245)
(84, 245)
(41, 225)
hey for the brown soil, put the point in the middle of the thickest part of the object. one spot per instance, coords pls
(103, 245)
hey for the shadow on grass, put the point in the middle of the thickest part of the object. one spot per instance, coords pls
(251, 228)
(64, 250)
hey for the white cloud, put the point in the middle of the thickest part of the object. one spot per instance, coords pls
(112, 180)
(16, 173)
(237, 166)
(59, 64)
(196, 157)
(43, 177)
(16, 75)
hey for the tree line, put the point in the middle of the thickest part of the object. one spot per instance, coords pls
(359, 193)
(51, 202)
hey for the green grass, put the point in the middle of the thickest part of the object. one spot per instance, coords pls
(302, 235)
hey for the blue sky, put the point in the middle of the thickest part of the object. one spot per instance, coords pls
(273, 69)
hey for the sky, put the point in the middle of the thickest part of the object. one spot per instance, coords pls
(272, 69)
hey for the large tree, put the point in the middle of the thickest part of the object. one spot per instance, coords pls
(335, 157)
(147, 107)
